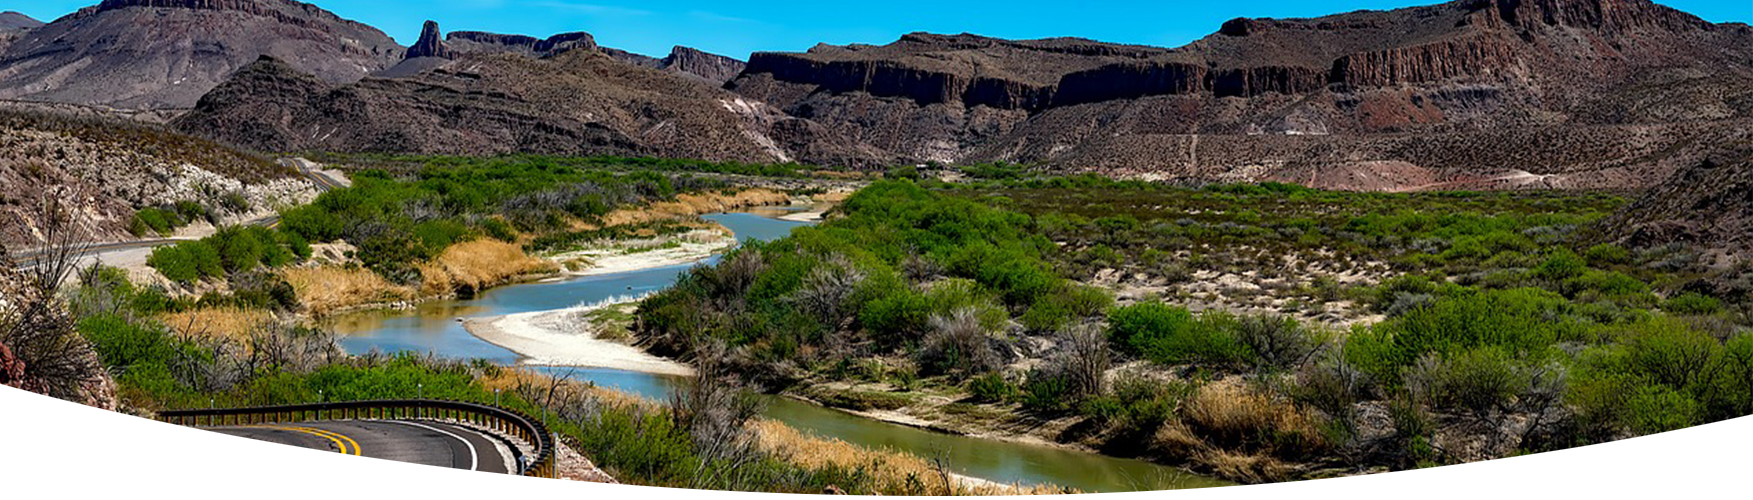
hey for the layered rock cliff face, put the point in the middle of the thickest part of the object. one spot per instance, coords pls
(477, 42)
(1360, 87)
(708, 66)
(167, 53)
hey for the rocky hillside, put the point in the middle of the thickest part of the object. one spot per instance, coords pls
(13, 26)
(1588, 93)
(577, 102)
(1708, 205)
(114, 167)
(10, 20)
(709, 68)
(167, 53)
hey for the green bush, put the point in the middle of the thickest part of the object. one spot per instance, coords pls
(1524, 322)
(1607, 254)
(1046, 392)
(1170, 335)
(1478, 380)
(1561, 265)
(991, 388)
(1692, 303)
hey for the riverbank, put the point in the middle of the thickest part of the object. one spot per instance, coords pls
(566, 337)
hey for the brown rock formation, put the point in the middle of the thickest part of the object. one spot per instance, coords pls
(166, 53)
(430, 44)
(476, 42)
(711, 67)
(1463, 70)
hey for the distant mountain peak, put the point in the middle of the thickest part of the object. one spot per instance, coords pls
(10, 20)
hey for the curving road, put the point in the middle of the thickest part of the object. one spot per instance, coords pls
(423, 442)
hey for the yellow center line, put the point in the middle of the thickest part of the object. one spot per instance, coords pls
(341, 440)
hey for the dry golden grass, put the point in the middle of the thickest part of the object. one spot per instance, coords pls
(1232, 412)
(224, 322)
(478, 264)
(1243, 434)
(323, 290)
(889, 470)
(691, 204)
(1247, 467)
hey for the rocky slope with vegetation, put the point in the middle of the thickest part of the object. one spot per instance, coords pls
(130, 180)
(167, 53)
(575, 103)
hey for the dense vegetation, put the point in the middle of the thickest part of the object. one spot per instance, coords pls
(232, 250)
(398, 221)
(906, 271)
(639, 442)
(1501, 328)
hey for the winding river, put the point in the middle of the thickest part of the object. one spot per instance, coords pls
(433, 327)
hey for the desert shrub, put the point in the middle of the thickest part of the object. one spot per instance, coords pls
(1046, 392)
(904, 172)
(1278, 342)
(1137, 405)
(1607, 254)
(957, 343)
(1479, 380)
(1658, 375)
(991, 387)
(1561, 265)
(187, 262)
(1171, 335)
(1524, 322)
(1692, 303)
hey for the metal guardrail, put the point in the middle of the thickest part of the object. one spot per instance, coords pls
(498, 419)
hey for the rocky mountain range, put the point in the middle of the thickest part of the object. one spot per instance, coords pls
(1554, 93)
(168, 53)
(1464, 94)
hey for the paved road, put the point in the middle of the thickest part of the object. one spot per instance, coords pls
(427, 443)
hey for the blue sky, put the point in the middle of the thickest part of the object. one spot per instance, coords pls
(738, 28)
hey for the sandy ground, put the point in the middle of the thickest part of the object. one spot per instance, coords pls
(562, 338)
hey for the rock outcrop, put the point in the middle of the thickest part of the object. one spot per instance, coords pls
(476, 42)
(430, 44)
(150, 54)
(708, 66)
